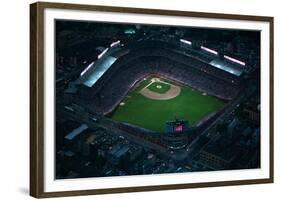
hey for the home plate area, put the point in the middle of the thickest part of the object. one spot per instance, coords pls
(158, 89)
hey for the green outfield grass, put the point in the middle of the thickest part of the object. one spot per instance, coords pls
(152, 114)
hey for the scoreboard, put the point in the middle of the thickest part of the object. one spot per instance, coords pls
(176, 126)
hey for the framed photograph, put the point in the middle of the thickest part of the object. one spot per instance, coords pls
(130, 99)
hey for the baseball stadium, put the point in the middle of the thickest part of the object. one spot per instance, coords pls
(145, 88)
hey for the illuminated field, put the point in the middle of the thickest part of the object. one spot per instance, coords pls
(150, 113)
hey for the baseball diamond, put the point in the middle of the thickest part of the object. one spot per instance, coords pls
(159, 90)
(150, 109)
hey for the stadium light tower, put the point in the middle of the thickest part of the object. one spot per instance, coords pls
(113, 44)
(102, 53)
(234, 60)
(87, 68)
(209, 50)
(186, 41)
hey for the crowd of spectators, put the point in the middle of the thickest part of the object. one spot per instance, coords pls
(114, 85)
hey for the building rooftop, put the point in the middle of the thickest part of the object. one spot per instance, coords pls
(76, 132)
(119, 150)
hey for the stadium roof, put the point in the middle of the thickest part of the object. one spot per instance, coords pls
(98, 68)
(225, 66)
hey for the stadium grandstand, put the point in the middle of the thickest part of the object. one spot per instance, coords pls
(105, 82)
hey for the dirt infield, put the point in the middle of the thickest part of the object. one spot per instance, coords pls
(173, 92)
